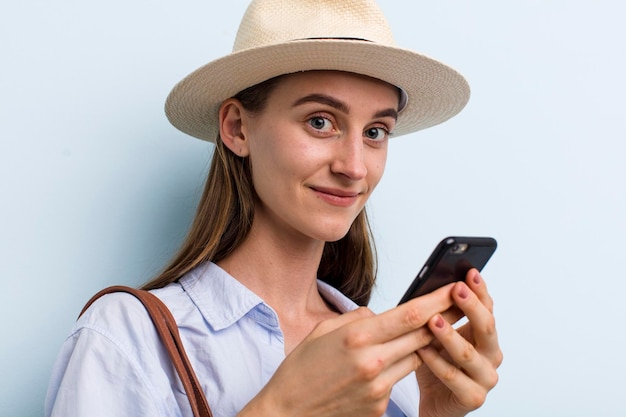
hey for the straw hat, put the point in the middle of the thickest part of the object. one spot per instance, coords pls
(278, 37)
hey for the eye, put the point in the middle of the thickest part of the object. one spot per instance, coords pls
(376, 133)
(320, 123)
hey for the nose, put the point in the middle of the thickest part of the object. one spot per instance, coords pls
(349, 157)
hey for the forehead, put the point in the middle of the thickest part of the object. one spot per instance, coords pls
(344, 85)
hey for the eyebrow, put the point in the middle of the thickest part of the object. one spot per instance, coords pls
(340, 105)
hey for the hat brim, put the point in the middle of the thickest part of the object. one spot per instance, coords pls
(435, 91)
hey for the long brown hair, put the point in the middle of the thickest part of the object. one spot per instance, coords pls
(226, 210)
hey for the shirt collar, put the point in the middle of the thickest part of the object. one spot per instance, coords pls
(222, 300)
(333, 296)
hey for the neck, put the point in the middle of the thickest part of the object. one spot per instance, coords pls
(280, 270)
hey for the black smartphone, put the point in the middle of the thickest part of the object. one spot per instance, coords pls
(450, 261)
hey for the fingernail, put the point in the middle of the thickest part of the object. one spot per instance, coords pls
(463, 292)
(439, 322)
(476, 278)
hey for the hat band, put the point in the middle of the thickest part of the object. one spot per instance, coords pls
(331, 38)
(404, 97)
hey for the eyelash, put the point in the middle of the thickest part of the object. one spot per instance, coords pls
(387, 132)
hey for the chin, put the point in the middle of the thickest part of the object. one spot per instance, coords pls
(333, 234)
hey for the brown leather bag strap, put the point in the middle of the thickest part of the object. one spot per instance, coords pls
(165, 325)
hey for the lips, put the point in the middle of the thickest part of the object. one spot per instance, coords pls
(336, 197)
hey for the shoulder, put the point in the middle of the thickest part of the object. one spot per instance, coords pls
(119, 309)
(111, 308)
(118, 319)
(117, 334)
(112, 360)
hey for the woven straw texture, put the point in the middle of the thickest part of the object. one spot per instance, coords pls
(285, 36)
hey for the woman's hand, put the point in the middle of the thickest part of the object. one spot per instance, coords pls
(348, 365)
(459, 367)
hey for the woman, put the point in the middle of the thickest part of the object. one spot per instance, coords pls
(266, 288)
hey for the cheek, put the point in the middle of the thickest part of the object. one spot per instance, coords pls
(276, 163)
(298, 159)
(377, 167)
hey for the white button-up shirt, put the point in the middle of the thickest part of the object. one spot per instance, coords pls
(113, 363)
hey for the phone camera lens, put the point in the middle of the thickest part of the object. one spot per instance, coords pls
(459, 248)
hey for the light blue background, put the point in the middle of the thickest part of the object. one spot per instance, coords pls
(97, 188)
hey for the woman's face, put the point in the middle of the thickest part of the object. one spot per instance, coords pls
(318, 150)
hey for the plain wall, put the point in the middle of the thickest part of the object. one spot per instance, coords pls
(97, 188)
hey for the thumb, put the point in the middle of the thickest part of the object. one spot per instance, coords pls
(330, 325)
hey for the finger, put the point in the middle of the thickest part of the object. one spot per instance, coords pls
(452, 316)
(407, 317)
(478, 286)
(469, 393)
(333, 324)
(463, 353)
(398, 358)
(402, 368)
(465, 362)
(482, 322)
(410, 342)
(398, 349)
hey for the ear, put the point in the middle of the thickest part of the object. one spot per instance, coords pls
(231, 118)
